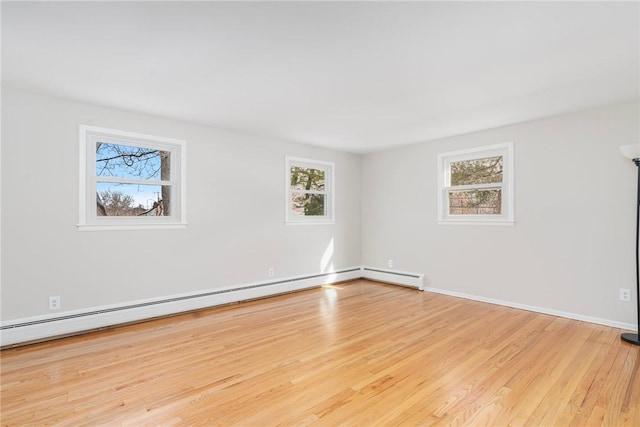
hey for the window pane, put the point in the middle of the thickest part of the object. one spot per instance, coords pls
(114, 199)
(308, 204)
(477, 171)
(307, 178)
(126, 161)
(475, 202)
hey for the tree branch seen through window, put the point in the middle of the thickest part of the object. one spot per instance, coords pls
(134, 163)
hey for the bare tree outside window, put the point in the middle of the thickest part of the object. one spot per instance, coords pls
(136, 165)
(130, 181)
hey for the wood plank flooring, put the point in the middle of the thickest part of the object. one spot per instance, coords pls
(359, 353)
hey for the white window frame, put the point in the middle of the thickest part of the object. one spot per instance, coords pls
(507, 186)
(329, 169)
(88, 218)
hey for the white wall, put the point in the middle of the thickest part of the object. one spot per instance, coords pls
(235, 212)
(573, 244)
(571, 249)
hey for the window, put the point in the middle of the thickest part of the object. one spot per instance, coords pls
(475, 186)
(309, 189)
(130, 181)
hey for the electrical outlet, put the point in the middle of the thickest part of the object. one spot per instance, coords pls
(390, 263)
(625, 294)
(54, 303)
(272, 272)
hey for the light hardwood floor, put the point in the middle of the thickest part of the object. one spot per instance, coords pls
(358, 353)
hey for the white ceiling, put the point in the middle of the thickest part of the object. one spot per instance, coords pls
(355, 76)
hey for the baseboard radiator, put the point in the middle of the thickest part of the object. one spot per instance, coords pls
(40, 328)
(411, 280)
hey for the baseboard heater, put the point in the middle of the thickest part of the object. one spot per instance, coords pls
(39, 328)
(411, 280)
(72, 322)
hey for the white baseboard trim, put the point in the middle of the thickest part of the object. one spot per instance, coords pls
(573, 316)
(402, 278)
(66, 323)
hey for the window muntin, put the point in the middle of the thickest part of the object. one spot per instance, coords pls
(309, 189)
(476, 185)
(130, 180)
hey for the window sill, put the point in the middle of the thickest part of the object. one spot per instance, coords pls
(309, 222)
(480, 222)
(121, 227)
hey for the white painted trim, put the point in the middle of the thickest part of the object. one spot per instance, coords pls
(397, 277)
(116, 227)
(559, 313)
(310, 223)
(472, 153)
(87, 218)
(480, 222)
(71, 322)
(504, 149)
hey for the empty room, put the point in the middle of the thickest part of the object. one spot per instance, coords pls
(320, 213)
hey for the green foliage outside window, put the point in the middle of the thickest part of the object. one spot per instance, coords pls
(477, 171)
(472, 172)
(305, 180)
